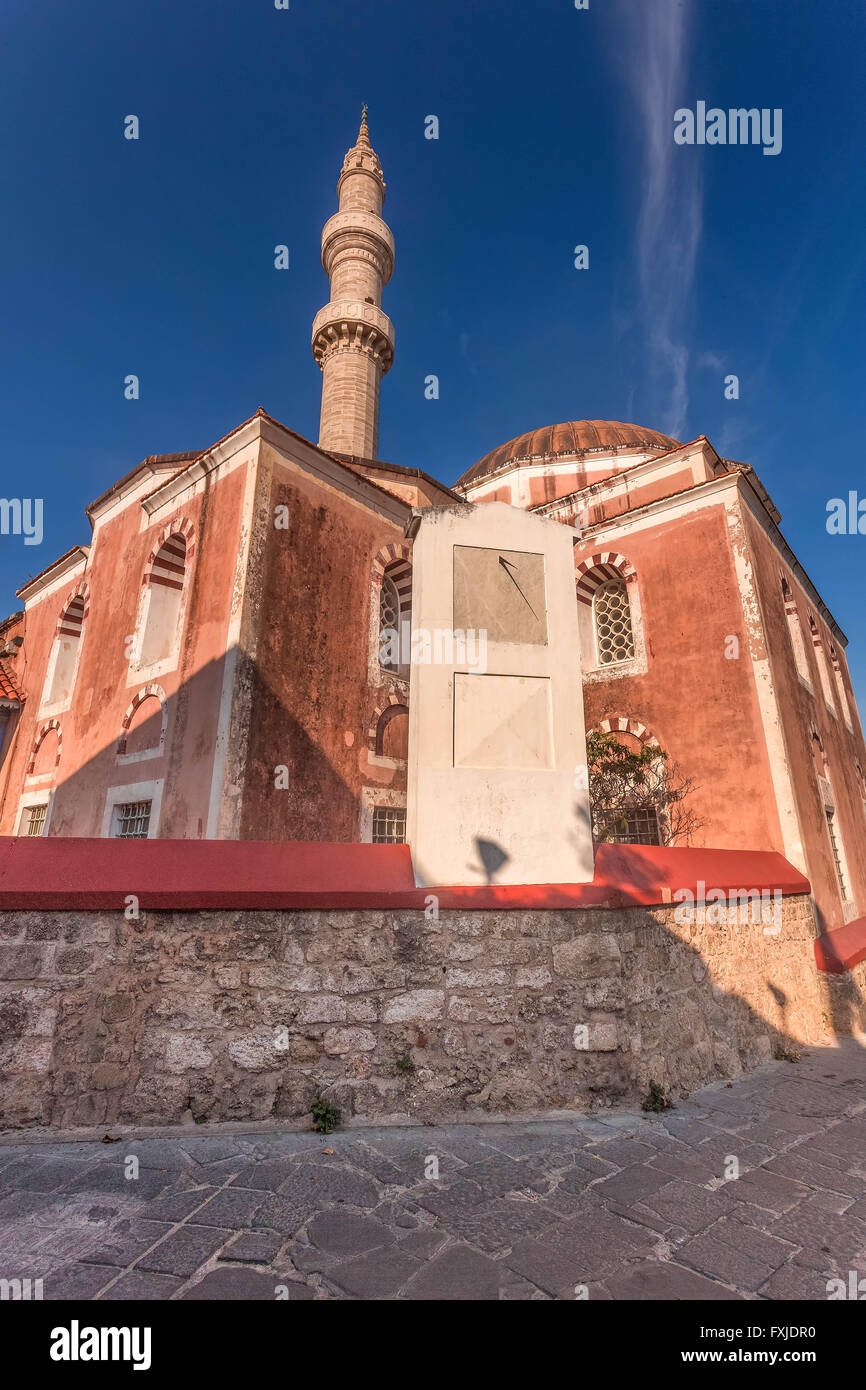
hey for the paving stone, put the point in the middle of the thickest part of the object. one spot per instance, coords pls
(77, 1281)
(805, 1098)
(290, 1143)
(136, 1285)
(624, 1153)
(592, 1245)
(62, 1245)
(515, 1145)
(276, 1214)
(232, 1206)
(631, 1185)
(308, 1259)
(639, 1214)
(26, 1205)
(422, 1243)
(761, 1188)
(267, 1176)
(713, 1257)
(378, 1274)
(458, 1273)
(694, 1169)
(323, 1185)
(452, 1200)
(820, 1232)
(662, 1281)
(125, 1246)
(811, 1172)
(497, 1175)
(341, 1233)
(164, 1154)
(501, 1225)
(185, 1250)
(238, 1283)
(253, 1247)
(176, 1206)
(111, 1178)
(47, 1176)
(780, 1131)
(209, 1149)
(691, 1207)
(793, 1281)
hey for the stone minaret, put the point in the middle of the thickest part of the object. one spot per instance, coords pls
(353, 341)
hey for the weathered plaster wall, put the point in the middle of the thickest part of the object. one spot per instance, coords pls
(701, 706)
(246, 1015)
(801, 707)
(105, 686)
(311, 699)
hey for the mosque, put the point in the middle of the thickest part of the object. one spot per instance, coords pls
(214, 662)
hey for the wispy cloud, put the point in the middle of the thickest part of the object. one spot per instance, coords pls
(670, 219)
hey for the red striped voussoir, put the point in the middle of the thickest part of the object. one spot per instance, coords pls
(598, 569)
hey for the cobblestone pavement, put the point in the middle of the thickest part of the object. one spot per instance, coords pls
(627, 1205)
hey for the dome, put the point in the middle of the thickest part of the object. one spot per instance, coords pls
(574, 437)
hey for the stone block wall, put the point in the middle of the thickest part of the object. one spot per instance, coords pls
(237, 1015)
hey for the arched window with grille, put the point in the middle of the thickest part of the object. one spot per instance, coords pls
(614, 639)
(609, 616)
(395, 617)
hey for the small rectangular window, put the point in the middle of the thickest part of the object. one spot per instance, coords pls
(637, 827)
(132, 820)
(36, 816)
(389, 825)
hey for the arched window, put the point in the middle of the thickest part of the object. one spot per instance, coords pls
(63, 661)
(840, 686)
(614, 640)
(395, 617)
(46, 752)
(390, 736)
(795, 631)
(821, 659)
(819, 757)
(609, 616)
(160, 624)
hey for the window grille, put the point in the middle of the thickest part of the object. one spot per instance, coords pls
(389, 825)
(637, 827)
(132, 820)
(36, 816)
(389, 624)
(613, 634)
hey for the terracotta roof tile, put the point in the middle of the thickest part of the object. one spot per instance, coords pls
(570, 437)
(8, 688)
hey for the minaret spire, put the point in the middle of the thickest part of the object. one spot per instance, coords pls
(353, 341)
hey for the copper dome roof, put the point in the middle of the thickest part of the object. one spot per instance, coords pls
(572, 437)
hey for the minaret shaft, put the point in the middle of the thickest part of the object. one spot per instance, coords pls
(353, 341)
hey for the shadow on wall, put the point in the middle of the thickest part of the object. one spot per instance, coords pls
(292, 784)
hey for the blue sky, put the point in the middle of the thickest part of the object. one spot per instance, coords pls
(155, 257)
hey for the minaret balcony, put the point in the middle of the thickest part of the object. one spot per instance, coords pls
(369, 225)
(353, 324)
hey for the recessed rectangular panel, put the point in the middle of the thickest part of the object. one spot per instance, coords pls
(501, 592)
(502, 722)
